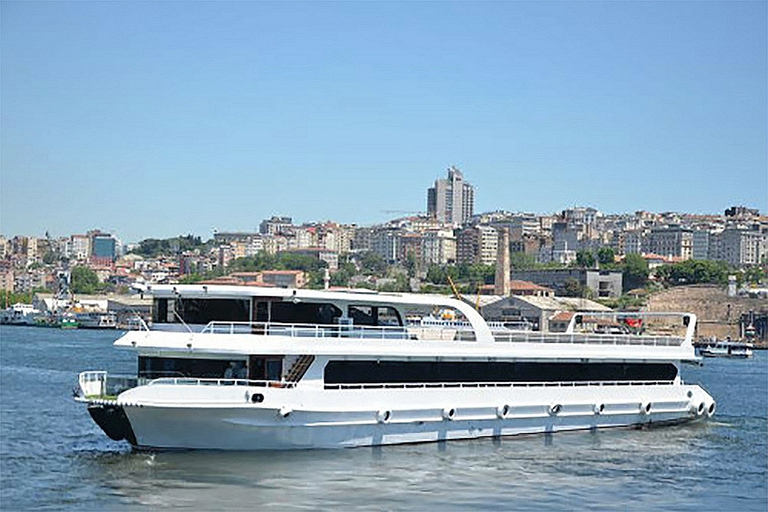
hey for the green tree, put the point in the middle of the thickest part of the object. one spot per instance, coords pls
(694, 272)
(84, 280)
(573, 288)
(522, 261)
(605, 256)
(634, 272)
(373, 264)
(585, 259)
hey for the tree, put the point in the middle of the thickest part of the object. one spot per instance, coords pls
(605, 256)
(634, 272)
(694, 272)
(522, 261)
(585, 259)
(84, 280)
(372, 263)
(573, 288)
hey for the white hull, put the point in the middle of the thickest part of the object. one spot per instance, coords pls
(274, 425)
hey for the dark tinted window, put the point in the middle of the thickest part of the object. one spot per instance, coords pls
(370, 372)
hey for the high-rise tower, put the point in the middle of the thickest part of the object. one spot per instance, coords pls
(452, 199)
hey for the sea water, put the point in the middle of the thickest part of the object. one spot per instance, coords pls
(52, 456)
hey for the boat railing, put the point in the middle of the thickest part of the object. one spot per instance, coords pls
(101, 385)
(440, 385)
(327, 330)
(591, 339)
(194, 381)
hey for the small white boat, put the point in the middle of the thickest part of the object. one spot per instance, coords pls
(727, 348)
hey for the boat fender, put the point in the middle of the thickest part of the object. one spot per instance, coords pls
(284, 412)
(449, 413)
(555, 409)
(383, 416)
(598, 408)
(502, 411)
(710, 411)
(701, 409)
(257, 398)
(645, 407)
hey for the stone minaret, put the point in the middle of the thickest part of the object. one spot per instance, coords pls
(501, 283)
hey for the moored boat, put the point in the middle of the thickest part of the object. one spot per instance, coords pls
(19, 314)
(249, 368)
(727, 348)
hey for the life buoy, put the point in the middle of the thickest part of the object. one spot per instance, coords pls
(701, 409)
(449, 413)
(502, 411)
(710, 411)
(383, 416)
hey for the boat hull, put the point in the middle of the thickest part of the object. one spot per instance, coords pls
(383, 418)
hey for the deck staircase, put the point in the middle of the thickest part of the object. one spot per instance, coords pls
(299, 368)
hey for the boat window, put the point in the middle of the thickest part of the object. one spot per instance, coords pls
(200, 311)
(304, 313)
(373, 372)
(160, 367)
(375, 315)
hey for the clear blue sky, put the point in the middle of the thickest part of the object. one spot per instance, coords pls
(153, 119)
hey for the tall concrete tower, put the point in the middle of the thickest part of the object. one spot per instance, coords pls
(451, 200)
(501, 284)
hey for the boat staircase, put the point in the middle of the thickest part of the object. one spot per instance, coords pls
(299, 368)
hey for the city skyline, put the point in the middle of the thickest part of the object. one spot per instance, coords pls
(153, 120)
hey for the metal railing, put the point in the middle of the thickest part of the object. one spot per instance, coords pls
(453, 331)
(308, 330)
(194, 381)
(442, 385)
(591, 339)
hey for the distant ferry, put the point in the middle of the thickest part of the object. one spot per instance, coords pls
(727, 348)
(250, 368)
(19, 314)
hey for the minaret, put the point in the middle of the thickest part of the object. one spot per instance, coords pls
(501, 282)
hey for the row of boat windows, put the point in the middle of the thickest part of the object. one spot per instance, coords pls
(256, 368)
(202, 311)
(396, 372)
(375, 372)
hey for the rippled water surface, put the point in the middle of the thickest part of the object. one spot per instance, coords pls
(52, 456)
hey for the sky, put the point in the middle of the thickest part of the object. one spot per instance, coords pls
(155, 119)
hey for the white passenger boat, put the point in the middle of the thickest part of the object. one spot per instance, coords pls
(19, 314)
(249, 368)
(727, 348)
(96, 320)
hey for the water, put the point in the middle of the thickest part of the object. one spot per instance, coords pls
(52, 456)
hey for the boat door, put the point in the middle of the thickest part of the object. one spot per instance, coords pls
(265, 368)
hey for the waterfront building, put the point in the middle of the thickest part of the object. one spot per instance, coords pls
(602, 283)
(534, 311)
(452, 199)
